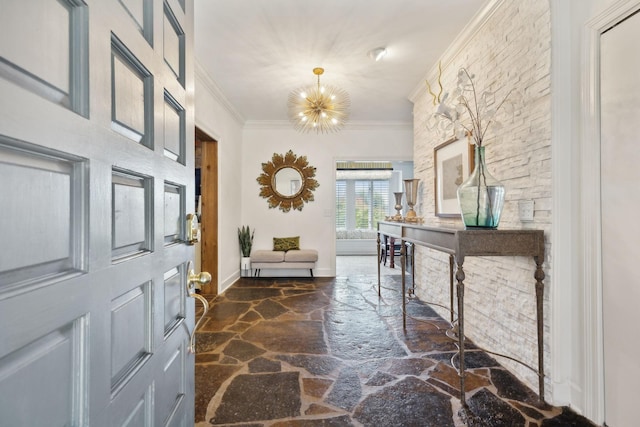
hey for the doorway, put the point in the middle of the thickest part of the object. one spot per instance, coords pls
(364, 192)
(206, 172)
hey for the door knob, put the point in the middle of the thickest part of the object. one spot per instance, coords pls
(193, 278)
(203, 277)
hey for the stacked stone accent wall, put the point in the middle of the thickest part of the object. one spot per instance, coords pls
(511, 50)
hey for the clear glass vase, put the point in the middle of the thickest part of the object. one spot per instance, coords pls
(481, 196)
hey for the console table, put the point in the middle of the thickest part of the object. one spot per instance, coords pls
(460, 243)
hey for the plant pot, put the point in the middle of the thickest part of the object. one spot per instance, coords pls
(245, 266)
(481, 196)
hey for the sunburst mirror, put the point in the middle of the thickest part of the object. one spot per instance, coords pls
(287, 182)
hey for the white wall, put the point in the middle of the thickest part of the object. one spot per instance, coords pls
(315, 224)
(216, 117)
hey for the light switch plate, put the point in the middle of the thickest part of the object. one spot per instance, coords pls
(525, 210)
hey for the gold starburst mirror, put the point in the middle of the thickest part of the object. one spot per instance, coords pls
(287, 181)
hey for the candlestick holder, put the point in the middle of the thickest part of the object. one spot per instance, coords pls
(398, 206)
(411, 190)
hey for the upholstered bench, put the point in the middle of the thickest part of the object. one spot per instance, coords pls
(291, 259)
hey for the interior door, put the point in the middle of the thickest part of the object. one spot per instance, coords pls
(96, 173)
(620, 198)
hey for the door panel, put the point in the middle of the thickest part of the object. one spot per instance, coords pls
(170, 390)
(130, 214)
(96, 166)
(131, 94)
(51, 212)
(174, 297)
(174, 129)
(173, 207)
(131, 333)
(44, 371)
(620, 110)
(46, 53)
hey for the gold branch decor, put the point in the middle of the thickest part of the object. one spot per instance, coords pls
(468, 112)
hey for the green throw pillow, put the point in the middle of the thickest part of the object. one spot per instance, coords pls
(286, 243)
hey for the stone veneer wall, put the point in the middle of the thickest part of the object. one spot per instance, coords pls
(511, 49)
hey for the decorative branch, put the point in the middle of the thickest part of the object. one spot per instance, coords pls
(436, 99)
(467, 113)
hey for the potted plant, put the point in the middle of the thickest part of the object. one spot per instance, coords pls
(245, 238)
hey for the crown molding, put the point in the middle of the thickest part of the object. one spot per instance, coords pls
(203, 76)
(466, 35)
(357, 125)
(216, 92)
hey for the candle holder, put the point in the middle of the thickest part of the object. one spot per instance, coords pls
(411, 189)
(398, 206)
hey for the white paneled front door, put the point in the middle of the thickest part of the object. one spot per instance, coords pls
(96, 176)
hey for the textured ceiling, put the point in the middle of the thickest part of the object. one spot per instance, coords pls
(257, 51)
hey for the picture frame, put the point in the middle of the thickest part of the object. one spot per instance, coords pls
(453, 162)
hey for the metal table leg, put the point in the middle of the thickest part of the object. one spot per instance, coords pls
(378, 260)
(403, 260)
(539, 276)
(460, 295)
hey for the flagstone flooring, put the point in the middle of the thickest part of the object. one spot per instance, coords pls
(305, 352)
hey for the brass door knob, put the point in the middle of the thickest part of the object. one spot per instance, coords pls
(193, 278)
(203, 277)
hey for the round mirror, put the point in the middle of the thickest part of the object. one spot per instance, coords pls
(287, 181)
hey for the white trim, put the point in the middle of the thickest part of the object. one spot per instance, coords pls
(594, 400)
(591, 256)
(562, 305)
(204, 127)
(204, 77)
(353, 125)
(228, 282)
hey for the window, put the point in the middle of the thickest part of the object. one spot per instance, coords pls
(361, 203)
(341, 204)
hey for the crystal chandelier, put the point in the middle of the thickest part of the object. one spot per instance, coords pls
(320, 108)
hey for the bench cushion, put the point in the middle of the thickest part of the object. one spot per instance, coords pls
(267, 256)
(301, 255)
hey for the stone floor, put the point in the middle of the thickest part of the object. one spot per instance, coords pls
(330, 352)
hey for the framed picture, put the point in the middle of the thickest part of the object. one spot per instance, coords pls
(453, 162)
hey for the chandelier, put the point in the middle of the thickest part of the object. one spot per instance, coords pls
(320, 108)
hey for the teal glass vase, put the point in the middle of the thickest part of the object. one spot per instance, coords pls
(481, 196)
